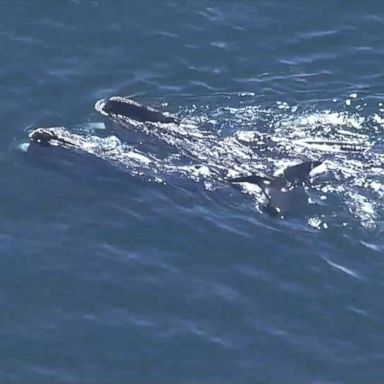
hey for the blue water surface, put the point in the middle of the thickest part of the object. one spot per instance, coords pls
(107, 276)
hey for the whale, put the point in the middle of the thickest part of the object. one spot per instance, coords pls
(139, 125)
(119, 107)
(54, 136)
(277, 188)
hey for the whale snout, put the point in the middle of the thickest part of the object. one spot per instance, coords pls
(42, 136)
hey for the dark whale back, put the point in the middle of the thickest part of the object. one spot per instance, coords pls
(128, 108)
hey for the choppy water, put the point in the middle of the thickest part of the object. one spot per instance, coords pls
(140, 263)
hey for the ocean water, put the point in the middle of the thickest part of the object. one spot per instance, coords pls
(126, 263)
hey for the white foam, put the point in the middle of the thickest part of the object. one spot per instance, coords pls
(139, 157)
(378, 119)
(99, 106)
(314, 222)
(320, 169)
(343, 269)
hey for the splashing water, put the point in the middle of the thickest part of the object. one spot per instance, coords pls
(265, 140)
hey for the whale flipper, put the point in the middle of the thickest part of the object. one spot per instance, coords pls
(253, 179)
(293, 175)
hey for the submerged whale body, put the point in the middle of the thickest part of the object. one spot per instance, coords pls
(275, 188)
